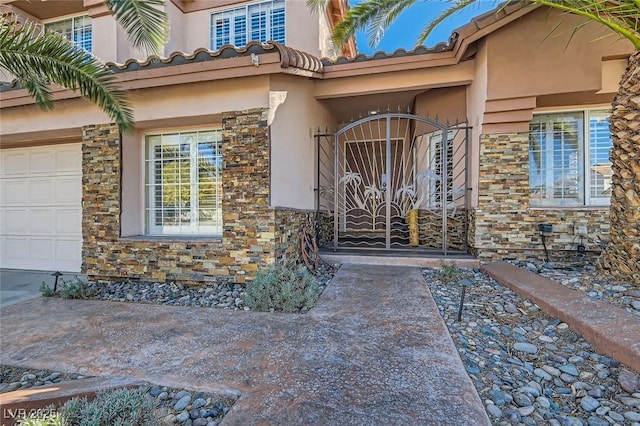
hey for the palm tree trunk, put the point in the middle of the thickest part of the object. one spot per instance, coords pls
(621, 258)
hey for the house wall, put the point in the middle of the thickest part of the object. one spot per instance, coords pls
(193, 30)
(547, 66)
(544, 69)
(295, 118)
(249, 234)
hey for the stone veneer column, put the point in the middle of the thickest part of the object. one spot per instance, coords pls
(503, 193)
(100, 195)
(248, 222)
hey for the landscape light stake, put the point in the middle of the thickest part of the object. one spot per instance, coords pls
(464, 283)
(55, 284)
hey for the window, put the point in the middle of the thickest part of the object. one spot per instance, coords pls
(255, 22)
(569, 159)
(184, 183)
(76, 29)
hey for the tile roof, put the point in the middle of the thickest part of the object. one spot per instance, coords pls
(289, 58)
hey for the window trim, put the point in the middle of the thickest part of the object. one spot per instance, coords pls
(245, 7)
(147, 205)
(588, 202)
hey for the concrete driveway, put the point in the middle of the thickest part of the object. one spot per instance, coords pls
(374, 351)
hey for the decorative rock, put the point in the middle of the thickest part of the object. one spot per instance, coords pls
(551, 370)
(596, 421)
(539, 372)
(198, 403)
(525, 411)
(182, 394)
(617, 417)
(182, 417)
(629, 381)
(589, 403)
(630, 402)
(526, 348)
(200, 422)
(494, 411)
(182, 403)
(570, 369)
(500, 398)
(511, 308)
(634, 416)
(522, 400)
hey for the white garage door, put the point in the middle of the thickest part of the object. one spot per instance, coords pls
(41, 208)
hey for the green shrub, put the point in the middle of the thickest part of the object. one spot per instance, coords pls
(281, 289)
(74, 289)
(450, 273)
(45, 290)
(123, 407)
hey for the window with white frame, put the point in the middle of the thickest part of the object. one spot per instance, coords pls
(569, 162)
(184, 183)
(261, 22)
(76, 29)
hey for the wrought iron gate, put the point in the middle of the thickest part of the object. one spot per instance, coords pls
(394, 181)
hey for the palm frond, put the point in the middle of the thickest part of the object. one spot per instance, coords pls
(379, 24)
(144, 21)
(621, 16)
(455, 8)
(317, 6)
(360, 17)
(39, 59)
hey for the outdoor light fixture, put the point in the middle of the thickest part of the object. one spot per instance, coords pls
(464, 283)
(546, 229)
(55, 284)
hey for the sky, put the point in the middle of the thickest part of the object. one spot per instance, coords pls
(406, 29)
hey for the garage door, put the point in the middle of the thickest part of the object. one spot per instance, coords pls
(40, 208)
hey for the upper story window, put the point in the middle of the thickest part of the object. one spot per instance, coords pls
(254, 22)
(76, 29)
(184, 183)
(569, 162)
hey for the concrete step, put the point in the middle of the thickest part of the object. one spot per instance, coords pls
(420, 260)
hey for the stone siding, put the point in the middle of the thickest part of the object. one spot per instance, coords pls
(504, 226)
(289, 225)
(249, 225)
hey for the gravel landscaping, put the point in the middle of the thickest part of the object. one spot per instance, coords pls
(224, 296)
(174, 406)
(530, 368)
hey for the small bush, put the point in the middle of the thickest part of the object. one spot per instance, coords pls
(45, 290)
(450, 273)
(123, 407)
(74, 289)
(281, 289)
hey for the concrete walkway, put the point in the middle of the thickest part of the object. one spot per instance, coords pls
(374, 351)
(610, 330)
